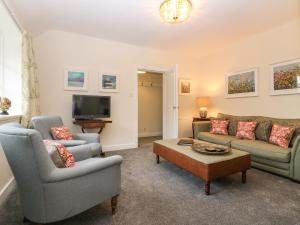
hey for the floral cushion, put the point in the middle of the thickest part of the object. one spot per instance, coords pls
(59, 154)
(246, 130)
(61, 133)
(281, 135)
(219, 127)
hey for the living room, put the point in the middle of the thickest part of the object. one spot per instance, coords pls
(202, 50)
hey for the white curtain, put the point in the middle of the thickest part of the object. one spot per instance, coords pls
(30, 85)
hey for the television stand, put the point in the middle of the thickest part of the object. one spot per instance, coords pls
(91, 124)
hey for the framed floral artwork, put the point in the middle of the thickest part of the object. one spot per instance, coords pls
(241, 84)
(285, 78)
(185, 86)
(75, 80)
(108, 82)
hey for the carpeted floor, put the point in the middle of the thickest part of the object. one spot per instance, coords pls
(165, 194)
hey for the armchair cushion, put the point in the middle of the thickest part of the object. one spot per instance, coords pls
(88, 137)
(70, 143)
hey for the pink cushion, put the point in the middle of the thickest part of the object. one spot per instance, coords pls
(61, 133)
(219, 127)
(246, 130)
(65, 158)
(281, 135)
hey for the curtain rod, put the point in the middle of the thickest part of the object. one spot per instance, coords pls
(12, 15)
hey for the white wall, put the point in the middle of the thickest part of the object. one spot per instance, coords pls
(276, 45)
(56, 50)
(150, 104)
(10, 60)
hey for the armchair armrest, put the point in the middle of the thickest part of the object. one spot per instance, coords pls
(295, 160)
(201, 126)
(88, 137)
(94, 165)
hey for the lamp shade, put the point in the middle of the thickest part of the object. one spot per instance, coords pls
(203, 101)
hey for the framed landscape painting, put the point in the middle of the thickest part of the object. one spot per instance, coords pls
(75, 80)
(109, 82)
(185, 87)
(241, 84)
(285, 78)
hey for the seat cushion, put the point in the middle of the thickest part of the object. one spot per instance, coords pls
(69, 143)
(263, 149)
(216, 138)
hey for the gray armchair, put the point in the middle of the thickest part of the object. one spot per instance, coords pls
(88, 141)
(48, 193)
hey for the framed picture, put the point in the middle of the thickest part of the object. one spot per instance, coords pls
(285, 78)
(75, 80)
(109, 82)
(185, 86)
(241, 84)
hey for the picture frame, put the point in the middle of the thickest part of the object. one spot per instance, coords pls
(75, 79)
(242, 84)
(285, 78)
(108, 82)
(185, 87)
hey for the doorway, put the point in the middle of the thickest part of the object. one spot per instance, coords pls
(150, 107)
(169, 101)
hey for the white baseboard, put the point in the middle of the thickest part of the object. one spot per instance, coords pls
(6, 190)
(119, 147)
(150, 134)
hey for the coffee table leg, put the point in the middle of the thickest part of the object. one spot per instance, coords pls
(207, 187)
(244, 177)
(157, 159)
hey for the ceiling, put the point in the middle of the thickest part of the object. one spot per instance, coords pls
(213, 23)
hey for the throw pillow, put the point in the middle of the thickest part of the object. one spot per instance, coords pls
(59, 154)
(219, 127)
(245, 130)
(281, 135)
(263, 130)
(61, 133)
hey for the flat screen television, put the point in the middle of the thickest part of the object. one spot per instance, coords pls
(91, 107)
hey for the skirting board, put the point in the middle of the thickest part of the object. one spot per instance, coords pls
(6, 190)
(150, 134)
(119, 147)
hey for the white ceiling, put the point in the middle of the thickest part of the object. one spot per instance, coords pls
(213, 23)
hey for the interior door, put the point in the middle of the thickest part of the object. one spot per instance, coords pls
(170, 104)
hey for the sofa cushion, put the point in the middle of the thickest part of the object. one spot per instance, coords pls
(263, 150)
(216, 138)
(263, 130)
(246, 130)
(219, 127)
(281, 135)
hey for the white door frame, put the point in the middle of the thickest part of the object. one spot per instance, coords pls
(155, 70)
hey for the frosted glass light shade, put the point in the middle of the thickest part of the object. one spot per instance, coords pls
(175, 11)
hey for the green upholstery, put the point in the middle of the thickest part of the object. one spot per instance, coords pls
(272, 158)
(263, 150)
(269, 162)
(216, 138)
(270, 169)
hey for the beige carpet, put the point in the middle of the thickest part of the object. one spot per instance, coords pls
(167, 195)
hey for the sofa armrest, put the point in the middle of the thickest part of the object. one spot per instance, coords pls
(88, 137)
(201, 126)
(98, 164)
(295, 160)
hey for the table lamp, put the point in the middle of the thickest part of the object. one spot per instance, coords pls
(203, 102)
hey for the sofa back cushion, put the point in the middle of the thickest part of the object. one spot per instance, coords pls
(262, 129)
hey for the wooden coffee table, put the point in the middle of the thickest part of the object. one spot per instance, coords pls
(208, 167)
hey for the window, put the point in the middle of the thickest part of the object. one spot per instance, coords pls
(10, 60)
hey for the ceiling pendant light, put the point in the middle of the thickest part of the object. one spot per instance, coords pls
(175, 11)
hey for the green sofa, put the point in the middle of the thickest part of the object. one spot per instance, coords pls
(265, 156)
